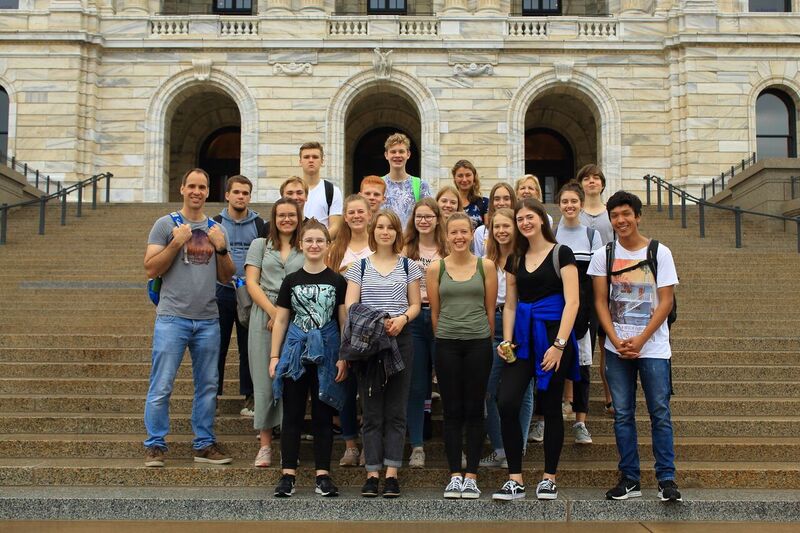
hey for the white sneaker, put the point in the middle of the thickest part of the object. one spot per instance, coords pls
(453, 489)
(546, 490)
(417, 459)
(494, 460)
(469, 489)
(582, 435)
(536, 433)
(511, 490)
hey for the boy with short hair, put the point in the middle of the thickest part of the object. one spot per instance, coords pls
(324, 200)
(373, 189)
(403, 191)
(633, 286)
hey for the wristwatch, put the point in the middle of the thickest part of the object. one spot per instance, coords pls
(224, 251)
(560, 343)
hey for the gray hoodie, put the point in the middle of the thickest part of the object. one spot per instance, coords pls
(240, 234)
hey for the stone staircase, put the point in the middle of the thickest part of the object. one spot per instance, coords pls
(75, 329)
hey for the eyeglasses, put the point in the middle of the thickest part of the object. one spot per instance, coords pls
(426, 218)
(318, 242)
(284, 216)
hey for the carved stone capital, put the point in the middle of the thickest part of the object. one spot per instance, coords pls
(564, 70)
(202, 69)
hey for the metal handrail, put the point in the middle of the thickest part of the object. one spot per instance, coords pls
(61, 194)
(727, 174)
(24, 169)
(702, 204)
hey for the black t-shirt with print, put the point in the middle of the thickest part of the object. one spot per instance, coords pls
(542, 282)
(312, 299)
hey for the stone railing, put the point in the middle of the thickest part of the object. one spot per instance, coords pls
(418, 27)
(164, 26)
(598, 29)
(348, 26)
(238, 26)
(528, 28)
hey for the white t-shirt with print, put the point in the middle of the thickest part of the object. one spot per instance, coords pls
(317, 205)
(634, 297)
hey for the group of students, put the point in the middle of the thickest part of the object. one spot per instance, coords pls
(413, 284)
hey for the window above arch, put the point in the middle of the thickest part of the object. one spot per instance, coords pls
(232, 7)
(770, 6)
(384, 7)
(9, 4)
(776, 126)
(541, 7)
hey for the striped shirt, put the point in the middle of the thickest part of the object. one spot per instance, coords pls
(388, 293)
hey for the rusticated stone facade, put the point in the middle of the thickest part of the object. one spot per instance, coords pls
(641, 86)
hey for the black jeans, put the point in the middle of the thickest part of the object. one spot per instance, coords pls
(295, 394)
(384, 412)
(226, 303)
(462, 368)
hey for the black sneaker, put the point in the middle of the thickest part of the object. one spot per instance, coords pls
(391, 487)
(511, 490)
(626, 488)
(370, 488)
(668, 491)
(546, 490)
(325, 486)
(285, 486)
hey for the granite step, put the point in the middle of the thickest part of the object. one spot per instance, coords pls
(238, 505)
(185, 473)
(120, 386)
(707, 425)
(244, 448)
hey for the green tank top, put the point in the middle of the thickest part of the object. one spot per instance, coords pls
(462, 313)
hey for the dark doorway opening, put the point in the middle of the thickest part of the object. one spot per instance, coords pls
(368, 156)
(549, 157)
(220, 157)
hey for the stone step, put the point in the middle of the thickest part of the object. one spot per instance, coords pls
(185, 473)
(236, 505)
(244, 448)
(143, 355)
(120, 386)
(784, 425)
(231, 405)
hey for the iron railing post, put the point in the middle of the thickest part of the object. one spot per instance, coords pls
(669, 193)
(80, 201)
(658, 195)
(647, 181)
(47, 187)
(25, 169)
(42, 207)
(64, 208)
(94, 192)
(704, 191)
(4, 222)
(37, 179)
(108, 187)
(738, 218)
(702, 214)
(683, 209)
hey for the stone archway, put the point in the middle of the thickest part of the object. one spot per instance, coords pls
(168, 98)
(11, 112)
(602, 141)
(401, 84)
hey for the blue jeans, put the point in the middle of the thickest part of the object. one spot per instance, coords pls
(424, 353)
(655, 377)
(492, 415)
(171, 337)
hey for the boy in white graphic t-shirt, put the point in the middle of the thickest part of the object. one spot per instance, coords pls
(632, 307)
(324, 200)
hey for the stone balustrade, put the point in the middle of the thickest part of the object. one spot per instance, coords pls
(527, 27)
(165, 26)
(348, 26)
(418, 26)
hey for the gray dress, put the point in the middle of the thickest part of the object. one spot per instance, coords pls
(273, 270)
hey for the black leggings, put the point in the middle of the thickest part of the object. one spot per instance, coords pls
(462, 369)
(514, 379)
(295, 394)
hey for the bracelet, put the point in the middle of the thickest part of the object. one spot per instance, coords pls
(277, 357)
(559, 348)
(407, 319)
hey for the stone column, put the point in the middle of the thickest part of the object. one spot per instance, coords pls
(455, 6)
(312, 5)
(272, 6)
(637, 6)
(130, 6)
(488, 6)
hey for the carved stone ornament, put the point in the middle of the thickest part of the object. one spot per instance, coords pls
(564, 70)
(473, 69)
(202, 69)
(382, 64)
(292, 69)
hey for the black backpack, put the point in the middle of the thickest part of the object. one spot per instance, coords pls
(328, 194)
(652, 262)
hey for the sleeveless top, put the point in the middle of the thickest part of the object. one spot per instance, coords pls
(462, 312)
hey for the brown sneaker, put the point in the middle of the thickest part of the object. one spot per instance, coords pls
(350, 457)
(212, 454)
(154, 456)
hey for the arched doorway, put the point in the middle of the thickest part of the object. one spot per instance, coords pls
(370, 119)
(549, 156)
(4, 113)
(368, 156)
(204, 131)
(220, 157)
(561, 135)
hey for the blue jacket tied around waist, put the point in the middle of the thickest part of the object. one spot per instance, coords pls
(530, 321)
(318, 347)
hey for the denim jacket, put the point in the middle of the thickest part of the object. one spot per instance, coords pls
(318, 347)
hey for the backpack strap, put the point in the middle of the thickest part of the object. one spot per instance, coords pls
(556, 260)
(441, 270)
(405, 266)
(328, 194)
(363, 268)
(480, 269)
(218, 219)
(652, 258)
(416, 184)
(176, 218)
(261, 227)
(590, 235)
(609, 258)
